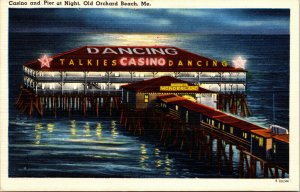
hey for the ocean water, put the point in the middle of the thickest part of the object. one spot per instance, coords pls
(49, 147)
(95, 148)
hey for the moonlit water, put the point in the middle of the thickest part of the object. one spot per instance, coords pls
(93, 148)
(52, 147)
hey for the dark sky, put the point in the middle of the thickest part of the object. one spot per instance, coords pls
(205, 21)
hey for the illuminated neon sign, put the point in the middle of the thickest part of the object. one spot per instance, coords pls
(179, 87)
(140, 61)
(166, 57)
(133, 51)
(45, 61)
(124, 61)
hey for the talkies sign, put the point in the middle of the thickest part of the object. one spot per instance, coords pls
(129, 58)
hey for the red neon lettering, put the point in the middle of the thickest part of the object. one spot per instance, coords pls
(124, 61)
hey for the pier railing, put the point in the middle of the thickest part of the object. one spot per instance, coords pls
(118, 79)
(76, 91)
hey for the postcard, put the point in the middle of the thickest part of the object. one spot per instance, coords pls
(149, 95)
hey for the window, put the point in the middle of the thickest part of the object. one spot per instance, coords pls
(261, 142)
(223, 127)
(187, 116)
(231, 130)
(102, 101)
(274, 147)
(146, 98)
(245, 135)
(176, 107)
(208, 121)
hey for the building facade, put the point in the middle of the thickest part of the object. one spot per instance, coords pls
(144, 94)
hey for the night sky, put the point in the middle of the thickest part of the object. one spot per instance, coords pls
(204, 21)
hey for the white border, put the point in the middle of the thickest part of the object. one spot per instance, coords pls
(17, 184)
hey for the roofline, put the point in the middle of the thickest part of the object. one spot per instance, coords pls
(122, 46)
(283, 140)
(225, 114)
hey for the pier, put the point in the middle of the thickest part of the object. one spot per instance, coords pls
(183, 100)
(203, 132)
(201, 141)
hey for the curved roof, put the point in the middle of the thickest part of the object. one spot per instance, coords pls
(131, 58)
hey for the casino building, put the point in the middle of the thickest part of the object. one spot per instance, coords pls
(85, 77)
(102, 69)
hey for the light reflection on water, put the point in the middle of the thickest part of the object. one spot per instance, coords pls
(89, 149)
(73, 129)
(168, 164)
(87, 131)
(50, 127)
(131, 39)
(99, 130)
(38, 133)
(143, 156)
(158, 161)
(114, 132)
